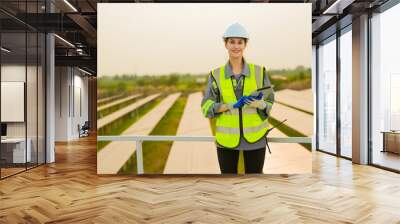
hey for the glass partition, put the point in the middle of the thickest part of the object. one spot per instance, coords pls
(14, 153)
(41, 86)
(31, 97)
(22, 88)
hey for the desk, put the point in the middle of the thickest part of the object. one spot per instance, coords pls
(391, 141)
(13, 150)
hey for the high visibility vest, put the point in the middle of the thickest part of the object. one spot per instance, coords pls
(230, 125)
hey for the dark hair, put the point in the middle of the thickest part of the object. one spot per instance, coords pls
(226, 39)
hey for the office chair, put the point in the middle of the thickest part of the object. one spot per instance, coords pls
(84, 130)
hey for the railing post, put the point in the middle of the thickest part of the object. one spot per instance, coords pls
(139, 157)
(139, 142)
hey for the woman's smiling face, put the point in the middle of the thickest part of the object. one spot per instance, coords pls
(235, 47)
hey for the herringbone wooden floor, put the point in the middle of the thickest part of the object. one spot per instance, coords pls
(69, 191)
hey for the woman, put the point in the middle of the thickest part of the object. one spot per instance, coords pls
(241, 123)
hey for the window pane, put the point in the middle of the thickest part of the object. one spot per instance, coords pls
(345, 93)
(385, 84)
(327, 96)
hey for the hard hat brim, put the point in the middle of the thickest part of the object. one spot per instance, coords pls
(224, 37)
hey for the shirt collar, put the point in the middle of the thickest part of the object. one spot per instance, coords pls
(229, 73)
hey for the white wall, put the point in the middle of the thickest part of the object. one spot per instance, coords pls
(71, 87)
(12, 73)
(80, 93)
(62, 80)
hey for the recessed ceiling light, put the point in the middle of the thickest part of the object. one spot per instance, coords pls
(86, 72)
(64, 40)
(5, 50)
(338, 6)
(70, 5)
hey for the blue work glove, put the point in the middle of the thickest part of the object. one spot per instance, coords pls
(258, 97)
(240, 102)
(256, 101)
(252, 98)
(246, 100)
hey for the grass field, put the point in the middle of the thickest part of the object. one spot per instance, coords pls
(289, 131)
(120, 125)
(296, 79)
(107, 111)
(155, 154)
(110, 99)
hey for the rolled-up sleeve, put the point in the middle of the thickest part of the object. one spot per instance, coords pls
(211, 99)
(268, 98)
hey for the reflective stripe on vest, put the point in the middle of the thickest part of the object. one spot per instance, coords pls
(246, 110)
(237, 131)
(228, 123)
(206, 106)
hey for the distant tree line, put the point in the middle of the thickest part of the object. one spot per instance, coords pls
(298, 78)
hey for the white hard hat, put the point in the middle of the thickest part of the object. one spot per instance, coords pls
(236, 30)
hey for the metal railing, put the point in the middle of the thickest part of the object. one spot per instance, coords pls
(139, 139)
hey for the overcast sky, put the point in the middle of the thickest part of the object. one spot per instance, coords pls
(151, 38)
